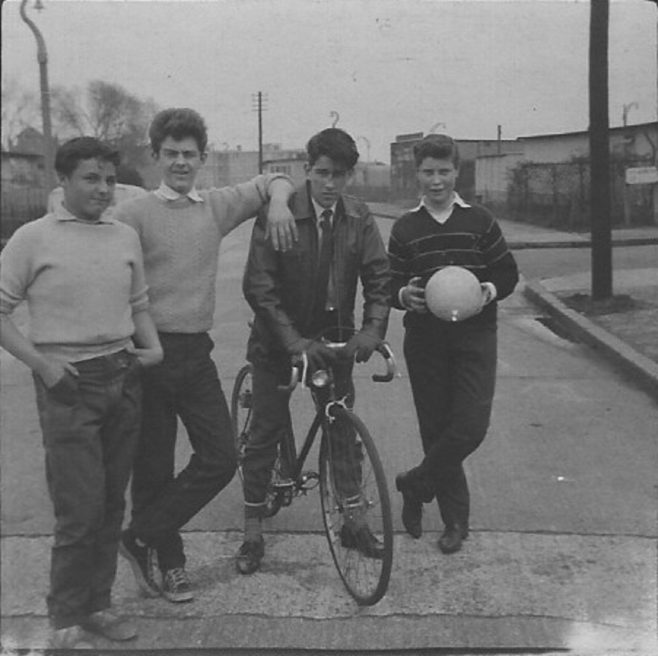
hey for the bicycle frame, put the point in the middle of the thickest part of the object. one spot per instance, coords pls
(324, 409)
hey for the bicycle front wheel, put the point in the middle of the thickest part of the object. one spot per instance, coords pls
(356, 508)
(242, 410)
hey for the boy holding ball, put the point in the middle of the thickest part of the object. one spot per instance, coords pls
(451, 364)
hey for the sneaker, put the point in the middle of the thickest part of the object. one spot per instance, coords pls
(362, 539)
(71, 637)
(142, 562)
(109, 625)
(176, 585)
(250, 555)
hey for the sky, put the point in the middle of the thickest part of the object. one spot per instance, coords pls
(376, 68)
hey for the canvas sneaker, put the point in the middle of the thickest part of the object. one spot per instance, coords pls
(142, 561)
(176, 585)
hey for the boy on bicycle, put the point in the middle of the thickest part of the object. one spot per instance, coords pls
(300, 294)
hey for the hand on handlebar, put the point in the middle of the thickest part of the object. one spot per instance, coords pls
(361, 346)
(319, 356)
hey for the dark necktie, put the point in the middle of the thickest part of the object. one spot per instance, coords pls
(324, 264)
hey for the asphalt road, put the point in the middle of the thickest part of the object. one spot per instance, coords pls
(563, 495)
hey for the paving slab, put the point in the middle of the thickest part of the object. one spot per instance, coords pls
(503, 590)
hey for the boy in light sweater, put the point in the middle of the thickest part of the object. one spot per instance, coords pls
(181, 229)
(82, 276)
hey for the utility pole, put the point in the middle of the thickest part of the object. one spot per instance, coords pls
(42, 58)
(599, 150)
(257, 100)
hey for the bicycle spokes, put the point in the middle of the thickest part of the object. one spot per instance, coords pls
(356, 508)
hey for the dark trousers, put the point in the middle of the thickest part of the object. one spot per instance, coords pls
(184, 385)
(452, 369)
(90, 426)
(271, 419)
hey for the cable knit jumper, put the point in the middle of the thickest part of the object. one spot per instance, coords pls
(180, 239)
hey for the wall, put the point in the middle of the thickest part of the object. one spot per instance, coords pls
(23, 196)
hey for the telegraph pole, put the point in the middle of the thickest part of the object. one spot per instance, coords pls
(257, 102)
(599, 150)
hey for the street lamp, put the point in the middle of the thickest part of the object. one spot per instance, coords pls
(42, 58)
(436, 125)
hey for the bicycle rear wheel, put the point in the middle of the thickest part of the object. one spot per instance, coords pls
(242, 410)
(355, 500)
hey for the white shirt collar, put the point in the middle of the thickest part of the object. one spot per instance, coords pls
(443, 215)
(165, 192)
(319, 209)
(62, 214)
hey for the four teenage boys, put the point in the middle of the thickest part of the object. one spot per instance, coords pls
(82, 276)
(452, 365)
(90, 301)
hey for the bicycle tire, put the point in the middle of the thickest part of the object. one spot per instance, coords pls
(241, 411)
(241, 415)
(365, 578)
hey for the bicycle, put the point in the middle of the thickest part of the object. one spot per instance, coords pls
(350, 474)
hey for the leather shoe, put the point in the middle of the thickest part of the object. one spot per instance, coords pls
(249, 556)
(412, 508)
(362, 539)
(452, 537)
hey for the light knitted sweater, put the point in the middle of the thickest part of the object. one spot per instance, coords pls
(180, 239)
(82, 283)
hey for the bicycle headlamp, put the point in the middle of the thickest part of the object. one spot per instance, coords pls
(320, 378)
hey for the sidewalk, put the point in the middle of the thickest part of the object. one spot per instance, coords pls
(624, 330)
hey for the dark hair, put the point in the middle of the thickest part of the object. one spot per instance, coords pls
(335, 144)
(438, 146)
(178, 123)
(71, 153)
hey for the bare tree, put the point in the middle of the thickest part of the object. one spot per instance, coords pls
(108, 112)
(20, 109)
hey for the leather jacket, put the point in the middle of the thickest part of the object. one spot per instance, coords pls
(280, 286)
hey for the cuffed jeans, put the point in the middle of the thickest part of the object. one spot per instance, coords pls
(452, 370)
(184, 385)
(90, 425)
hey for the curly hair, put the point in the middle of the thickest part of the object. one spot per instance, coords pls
(335, 144)
(72, 152)
(178, 123)
(438, 146)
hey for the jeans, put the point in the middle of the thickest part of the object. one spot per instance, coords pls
(185, 384)
(452, 370)
(90, 425)
(271, 419)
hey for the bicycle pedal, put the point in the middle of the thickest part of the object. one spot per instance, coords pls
(309, 480)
